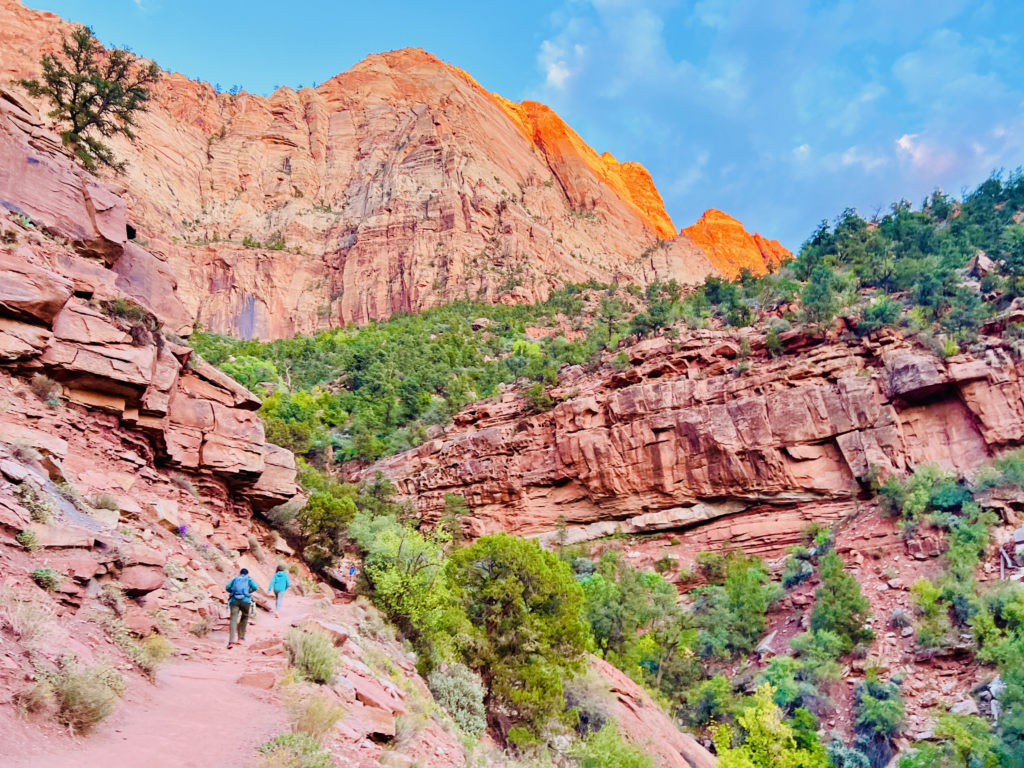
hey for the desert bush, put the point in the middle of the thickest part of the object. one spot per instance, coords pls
(900, 618)
(315, 715)
(711, 701)
(38, 503)
(29, 540)
(712, 566)
(46, 389)
(607, 749)
(86, 695)
(879, 706)
(732, 616)
(294, 750)
(185, 483)
(257, 549)
(373, 624)
(105, 501)
(312, 654)
(460, 692)
(201, 627)
(22, 450)
(29, 620)
(47, 578)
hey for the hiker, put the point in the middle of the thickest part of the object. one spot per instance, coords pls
(240, 590)
(278, 585)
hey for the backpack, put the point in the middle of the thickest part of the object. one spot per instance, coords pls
(238, 589)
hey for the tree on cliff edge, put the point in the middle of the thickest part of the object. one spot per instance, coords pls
(95, 92)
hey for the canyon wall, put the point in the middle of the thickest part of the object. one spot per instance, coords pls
(738, 451)
(88, 308)
(396, 186)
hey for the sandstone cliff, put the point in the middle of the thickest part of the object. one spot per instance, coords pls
(83, 305)
(396, 186)
(737, 453)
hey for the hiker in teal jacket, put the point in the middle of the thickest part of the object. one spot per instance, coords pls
(279, 585)
(240, 590)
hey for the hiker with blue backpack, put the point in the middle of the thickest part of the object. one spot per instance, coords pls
(279, 585)
(240, 591)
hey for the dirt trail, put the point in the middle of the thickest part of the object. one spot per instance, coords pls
(196, 716)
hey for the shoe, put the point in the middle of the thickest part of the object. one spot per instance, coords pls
(231, 645)
(240, 640)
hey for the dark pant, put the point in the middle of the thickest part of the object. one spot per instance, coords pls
(239, 610)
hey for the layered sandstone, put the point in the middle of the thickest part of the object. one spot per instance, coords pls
(693, 439)
(92, 310)
(396, 186)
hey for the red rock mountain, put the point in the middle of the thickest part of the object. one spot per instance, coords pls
(396, 186)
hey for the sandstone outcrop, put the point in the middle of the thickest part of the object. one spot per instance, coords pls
(396, 186)
(730, 248)
(94, 311)
(735, 452)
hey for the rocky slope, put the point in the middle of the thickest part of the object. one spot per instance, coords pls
(395, 186)
(738, 452)
(98, 399)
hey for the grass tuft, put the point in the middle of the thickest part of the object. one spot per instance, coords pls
(312, 654)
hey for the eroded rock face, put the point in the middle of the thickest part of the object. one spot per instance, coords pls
(398, 185)
(56, 319)
(691, 440)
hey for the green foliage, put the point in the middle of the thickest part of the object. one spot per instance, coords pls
(840, 607)
(879, 706)
(523, 626)
(711, 701)
(47, 578)
(86, 696)
(964, 741)
(323, 521)
(376, 390)
(405, 568)
(460, 692)
(732, 616)
(312, 654)
(294, 750)
(29, 540)
(768, 741)
(607, 749)
(818, 296)
(94, 93)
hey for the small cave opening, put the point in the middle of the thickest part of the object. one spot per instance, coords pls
(131, 232)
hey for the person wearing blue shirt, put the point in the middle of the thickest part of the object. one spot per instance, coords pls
(240, 590)
(279, 585)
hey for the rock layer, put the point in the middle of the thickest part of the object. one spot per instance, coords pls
(90, 309)
(693, 439)
(396, 186)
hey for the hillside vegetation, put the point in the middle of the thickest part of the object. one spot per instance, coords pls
(503, 626)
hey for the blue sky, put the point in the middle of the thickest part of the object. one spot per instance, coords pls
(780, 112)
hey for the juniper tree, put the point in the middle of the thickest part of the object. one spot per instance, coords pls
(95, 93)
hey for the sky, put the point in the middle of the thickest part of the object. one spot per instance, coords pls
(779, 112)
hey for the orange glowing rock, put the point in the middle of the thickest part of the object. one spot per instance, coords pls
(569, 155)
(731, 248)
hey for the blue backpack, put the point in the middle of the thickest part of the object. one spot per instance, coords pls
(238, 589)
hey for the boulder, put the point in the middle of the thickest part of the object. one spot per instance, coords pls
(912, 374)
(264, 681)
(370, 721)
(56, 535)
(19, 340)
(153, 285)
(141, 579)
(165, 512)
(338, 633)
(28, 292)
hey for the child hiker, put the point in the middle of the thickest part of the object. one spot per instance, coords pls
(278, 585)
(240, 590)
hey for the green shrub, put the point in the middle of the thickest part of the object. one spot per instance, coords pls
(294, 750)
(731, 617)
(314, 716)
(460, 692)
(86, 696)
(46, 389)
(711, 701)
(29, 540)
(607, 749)
(105, 501)
(523, 628)
(312, 654)
(768, 741)
(48, 579)
(839, 605)
(38, 503)
(879, 706)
